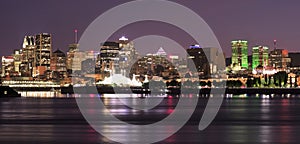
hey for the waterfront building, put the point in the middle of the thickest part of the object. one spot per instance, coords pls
(240, 53)
(260, 56)
(43, 53)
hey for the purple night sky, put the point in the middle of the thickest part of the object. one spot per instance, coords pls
(258, 21)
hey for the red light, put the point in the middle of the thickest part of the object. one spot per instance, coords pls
(170, 97)
(75, 30)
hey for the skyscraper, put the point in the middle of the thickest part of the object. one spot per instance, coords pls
(73, 48)
(43, 52)
(58, 65)
(28, 57)
(127, 54)
(198, 59)
(109, 57)
(17, 61)
(240, 53)
(279, 58)
(260, 56)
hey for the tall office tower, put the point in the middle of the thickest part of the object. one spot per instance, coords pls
(109, 57)
(43, 52)
(240, 53)
(197, 59)
(127, 55)
(260, 56)
(279, 58)
(58, 65)
(215, 59)
(73, 48)
(28, 65)
(17, 61)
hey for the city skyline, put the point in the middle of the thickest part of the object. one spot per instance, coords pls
(258, 22)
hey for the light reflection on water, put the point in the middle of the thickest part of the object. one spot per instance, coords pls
(240, 120)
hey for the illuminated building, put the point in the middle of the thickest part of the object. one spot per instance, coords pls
(43, 52)
(154, 65)
(28, 57)
(70, 56)
(127, 55)
(215, 59)
(80, 56)
(240, 53)
(58, 65)
(109, 57)
(279, 59)
(260, 56)
(161, 52)
(7, 66)
(197, 59)
(17, 61)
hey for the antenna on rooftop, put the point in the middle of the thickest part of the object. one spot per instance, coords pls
(76, 40)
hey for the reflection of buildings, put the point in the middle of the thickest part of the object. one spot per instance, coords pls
(260, 55)
(279, 58)
(240, 53)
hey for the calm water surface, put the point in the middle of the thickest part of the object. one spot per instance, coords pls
(58, 120)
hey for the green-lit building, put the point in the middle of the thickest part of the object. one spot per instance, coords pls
(240, 53)
(260, 56)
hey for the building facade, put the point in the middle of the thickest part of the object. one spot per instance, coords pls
(127, 55)
(28, 64)
(73, 48)
(7, 66)
(43, 53)
(279, 59)
(108, 59)
(58, 65)
(240, 53)
(260, 56)
(197, 59)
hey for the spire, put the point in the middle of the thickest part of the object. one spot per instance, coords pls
(275, 44)
(76, 40)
